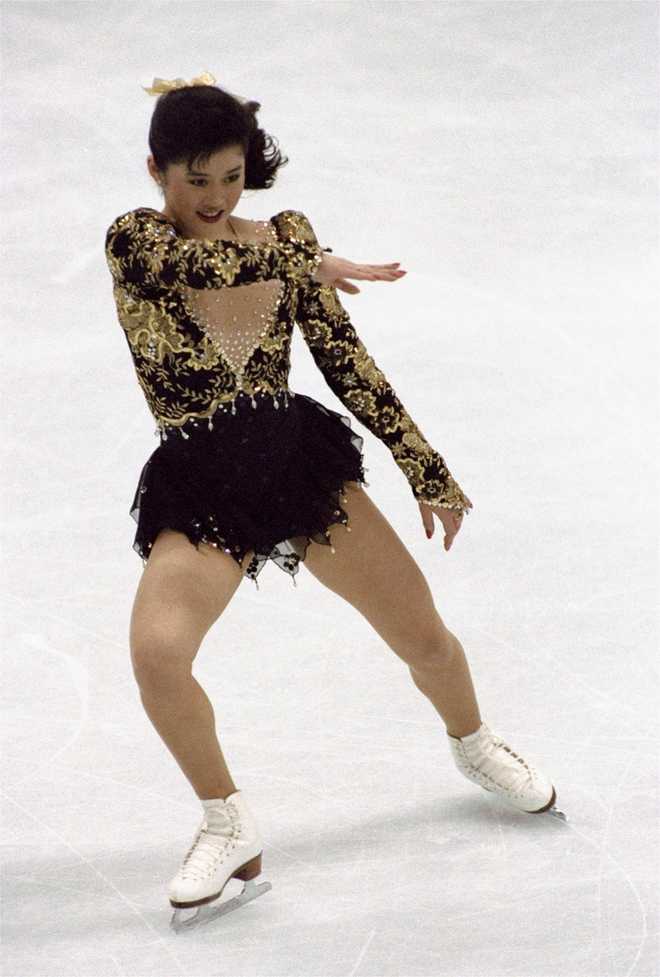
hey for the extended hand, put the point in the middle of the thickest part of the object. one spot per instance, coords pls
(450, 519)
(334, 270)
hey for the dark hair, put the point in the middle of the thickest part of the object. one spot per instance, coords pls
(189, 124)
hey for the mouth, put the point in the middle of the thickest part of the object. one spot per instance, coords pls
(210, 219)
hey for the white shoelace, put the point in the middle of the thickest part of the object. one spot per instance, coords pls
(497, 761)
(207, 848)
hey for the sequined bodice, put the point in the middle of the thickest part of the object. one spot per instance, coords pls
(199, 343)
(210, 322)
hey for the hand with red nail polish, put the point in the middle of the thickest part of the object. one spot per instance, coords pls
(451, 520)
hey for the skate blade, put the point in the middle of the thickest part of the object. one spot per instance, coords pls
(552, 808)
(208, 911)
(552, 811)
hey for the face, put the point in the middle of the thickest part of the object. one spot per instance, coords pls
(209, 187)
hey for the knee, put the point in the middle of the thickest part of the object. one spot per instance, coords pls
(158, 659)
(435, 644)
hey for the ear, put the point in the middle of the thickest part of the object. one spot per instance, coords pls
(152, 167)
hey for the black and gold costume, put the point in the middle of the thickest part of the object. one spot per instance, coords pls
(245, 463)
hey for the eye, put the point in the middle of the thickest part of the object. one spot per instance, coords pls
(199, 181)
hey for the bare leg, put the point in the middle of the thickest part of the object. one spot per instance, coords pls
(448, 686)
(373, 570)
(181, 594)
(183, 715)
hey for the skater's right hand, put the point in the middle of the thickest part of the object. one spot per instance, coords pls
(334, 270)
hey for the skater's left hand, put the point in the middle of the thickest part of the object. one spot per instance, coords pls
(336, 271)
(450, 519)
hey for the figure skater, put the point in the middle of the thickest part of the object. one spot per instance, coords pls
(247, 470)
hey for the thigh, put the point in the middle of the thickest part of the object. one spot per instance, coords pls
(181, 593)
(372, 569)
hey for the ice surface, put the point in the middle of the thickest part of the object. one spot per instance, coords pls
(505, 154)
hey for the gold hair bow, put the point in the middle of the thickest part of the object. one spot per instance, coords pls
(161, 85)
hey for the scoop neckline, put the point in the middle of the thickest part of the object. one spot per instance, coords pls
(168, 220)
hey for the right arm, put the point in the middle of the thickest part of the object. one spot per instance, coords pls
(144, 249)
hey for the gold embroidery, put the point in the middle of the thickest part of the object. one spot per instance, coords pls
(186, 370)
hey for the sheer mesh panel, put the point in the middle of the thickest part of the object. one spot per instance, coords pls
(236, 319)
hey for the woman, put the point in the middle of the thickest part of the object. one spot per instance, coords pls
(248, 471)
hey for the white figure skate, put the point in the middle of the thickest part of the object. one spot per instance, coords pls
(485, 759)
(227, 846)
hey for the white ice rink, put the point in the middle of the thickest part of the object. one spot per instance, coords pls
(506, 154)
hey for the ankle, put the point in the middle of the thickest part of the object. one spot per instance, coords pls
(216, 795)
(462, 732)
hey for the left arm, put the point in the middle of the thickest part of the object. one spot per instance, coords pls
(362, 387)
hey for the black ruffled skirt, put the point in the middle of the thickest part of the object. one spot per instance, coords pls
(265, 478)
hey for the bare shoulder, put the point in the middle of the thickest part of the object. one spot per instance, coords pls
(285, 224)
(253, 230)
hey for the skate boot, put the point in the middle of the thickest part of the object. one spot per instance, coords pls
(485, 759)
(227, 846)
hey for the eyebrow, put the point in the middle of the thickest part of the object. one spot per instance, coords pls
(198, 173)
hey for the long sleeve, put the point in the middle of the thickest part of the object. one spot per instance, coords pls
(357, 381)
(144, 251)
